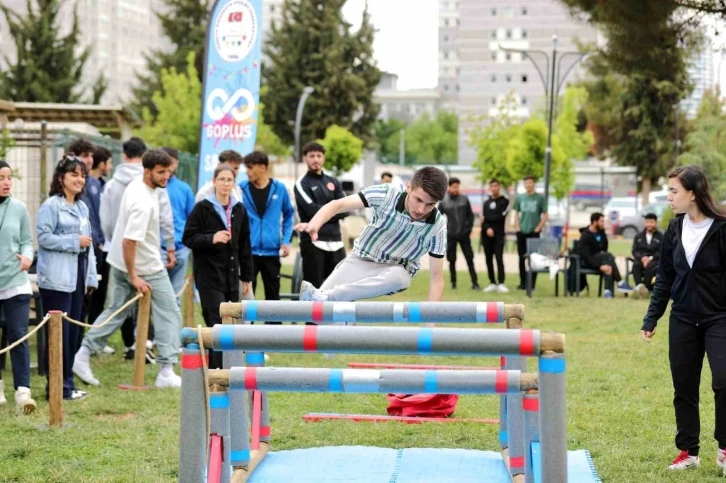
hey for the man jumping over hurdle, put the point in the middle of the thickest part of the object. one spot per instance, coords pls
(385, 257)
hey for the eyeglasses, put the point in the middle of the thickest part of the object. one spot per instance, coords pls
(224, 180)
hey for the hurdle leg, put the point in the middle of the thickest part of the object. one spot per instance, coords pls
(219, 425)
(553, 418)
(192, 424)
(515, 416)
(530, 405)
(238, 422)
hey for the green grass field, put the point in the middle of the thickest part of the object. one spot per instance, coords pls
(619, 406)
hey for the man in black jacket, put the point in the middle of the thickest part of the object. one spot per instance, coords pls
(459, 222)
(313, 191)
(595, 255)
(493, 235)
(646, 251)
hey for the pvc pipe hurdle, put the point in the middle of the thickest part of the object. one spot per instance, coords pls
(390, 340)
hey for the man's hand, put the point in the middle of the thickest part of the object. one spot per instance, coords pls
(606, 269)
(221, 236)
(645, 261)
(284, 250)
(140, 284)
(309, 228)
(170, 260)
(25, 262)
(647, 335)
(90, 290)
(85, 241)
(490, 232)
(537, 229)
(246, 288)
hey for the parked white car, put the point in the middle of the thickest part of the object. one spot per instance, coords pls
(617, 208)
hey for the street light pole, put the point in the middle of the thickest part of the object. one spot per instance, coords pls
(548, 150)
(298, 118)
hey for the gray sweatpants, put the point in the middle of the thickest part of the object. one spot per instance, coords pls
(357, 278)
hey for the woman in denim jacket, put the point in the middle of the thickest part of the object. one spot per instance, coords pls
(66, 267)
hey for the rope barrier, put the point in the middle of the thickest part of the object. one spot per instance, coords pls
(110, 318)
(183, 289)
(26, 336)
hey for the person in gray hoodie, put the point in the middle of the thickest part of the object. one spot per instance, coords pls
(113, 191)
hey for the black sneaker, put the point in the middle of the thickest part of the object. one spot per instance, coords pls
(453, 285)
(150, 359)
(130, 355)
(475, 286)
(521, 287)
(76, 395)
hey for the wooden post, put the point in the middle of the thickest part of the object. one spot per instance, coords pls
(142, 333)
(55, 368)
(188, 303)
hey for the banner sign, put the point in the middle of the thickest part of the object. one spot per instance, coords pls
(231, 93)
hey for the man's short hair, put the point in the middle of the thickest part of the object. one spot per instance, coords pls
(134, 148)
(454, 181)
(596, 217)
(494, 180)
(651, 216)
(154, 158)
(386, 173)
(101, 155)
(174, 153)
(529, 176)
(432, 181)
(313, 147)
(80, 146)
(230, 156)
(257, 157)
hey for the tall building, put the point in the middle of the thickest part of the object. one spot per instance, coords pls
(119, 31)
(479, 75)
(701, 74)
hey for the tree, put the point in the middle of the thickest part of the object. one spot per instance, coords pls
(313, 46)
(384, 132)
(427, 141)
(48, 67)
(267, 140)
(7, 142)
(184, 23)
(342, 149)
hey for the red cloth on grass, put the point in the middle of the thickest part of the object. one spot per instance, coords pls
(422, 405)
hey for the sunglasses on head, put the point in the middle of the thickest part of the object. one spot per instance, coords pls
(69, 160)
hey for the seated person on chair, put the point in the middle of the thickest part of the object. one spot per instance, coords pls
(405, 226)
(595, 255)
(646, 251)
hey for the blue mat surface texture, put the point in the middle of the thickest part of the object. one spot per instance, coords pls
(364, 464)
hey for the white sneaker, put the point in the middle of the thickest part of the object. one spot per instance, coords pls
(77, 395)
(501, 288)
(169, 380)
(642, 290)
(683, 461)
(267, 358)
(308, 293)
(83, 371)
(2, 393)
(492, 287)
(23, 401)
(108, 350)
(721, 459)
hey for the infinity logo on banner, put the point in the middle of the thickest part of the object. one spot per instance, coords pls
(231, 82)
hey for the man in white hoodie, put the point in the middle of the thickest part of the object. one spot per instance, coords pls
(111, 196)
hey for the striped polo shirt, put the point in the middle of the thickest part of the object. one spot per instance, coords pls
(392, 236)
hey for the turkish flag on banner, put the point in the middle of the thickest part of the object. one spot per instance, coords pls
(422, 405)
(235, 17)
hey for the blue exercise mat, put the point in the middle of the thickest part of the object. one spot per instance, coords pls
(365, 464)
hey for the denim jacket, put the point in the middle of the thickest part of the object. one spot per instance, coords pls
(57, 228)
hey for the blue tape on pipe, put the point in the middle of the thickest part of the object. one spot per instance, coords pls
(554, 366)
(226, 337)
(425, 340)
(251, 310)
(254, 358)
(414, 312)
(187, 333)
(503, 437)
(335, 381)
(431, 383)
(239, 456)
(219, 400)
(192, 347)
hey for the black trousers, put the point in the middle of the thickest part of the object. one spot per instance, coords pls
(318, 264)
(643, 274)
(687, 345)
(269, 267)
(17, 315)
(605, 258)
(97, 299)
(210, 300)
(522, 251)
(465, 242)
(494, 247)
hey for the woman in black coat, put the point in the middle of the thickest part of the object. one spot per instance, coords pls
(218, 233)
(692, 271)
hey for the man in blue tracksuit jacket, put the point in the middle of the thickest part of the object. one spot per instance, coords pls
(267, 201)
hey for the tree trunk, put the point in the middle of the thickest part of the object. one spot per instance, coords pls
(645, 191)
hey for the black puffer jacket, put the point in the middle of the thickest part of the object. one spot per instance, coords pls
(699, 293)
(459, 216)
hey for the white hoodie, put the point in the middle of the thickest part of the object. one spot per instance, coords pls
(111, 196)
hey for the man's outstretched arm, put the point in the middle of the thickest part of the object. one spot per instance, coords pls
(344, 205)
(436, 279)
